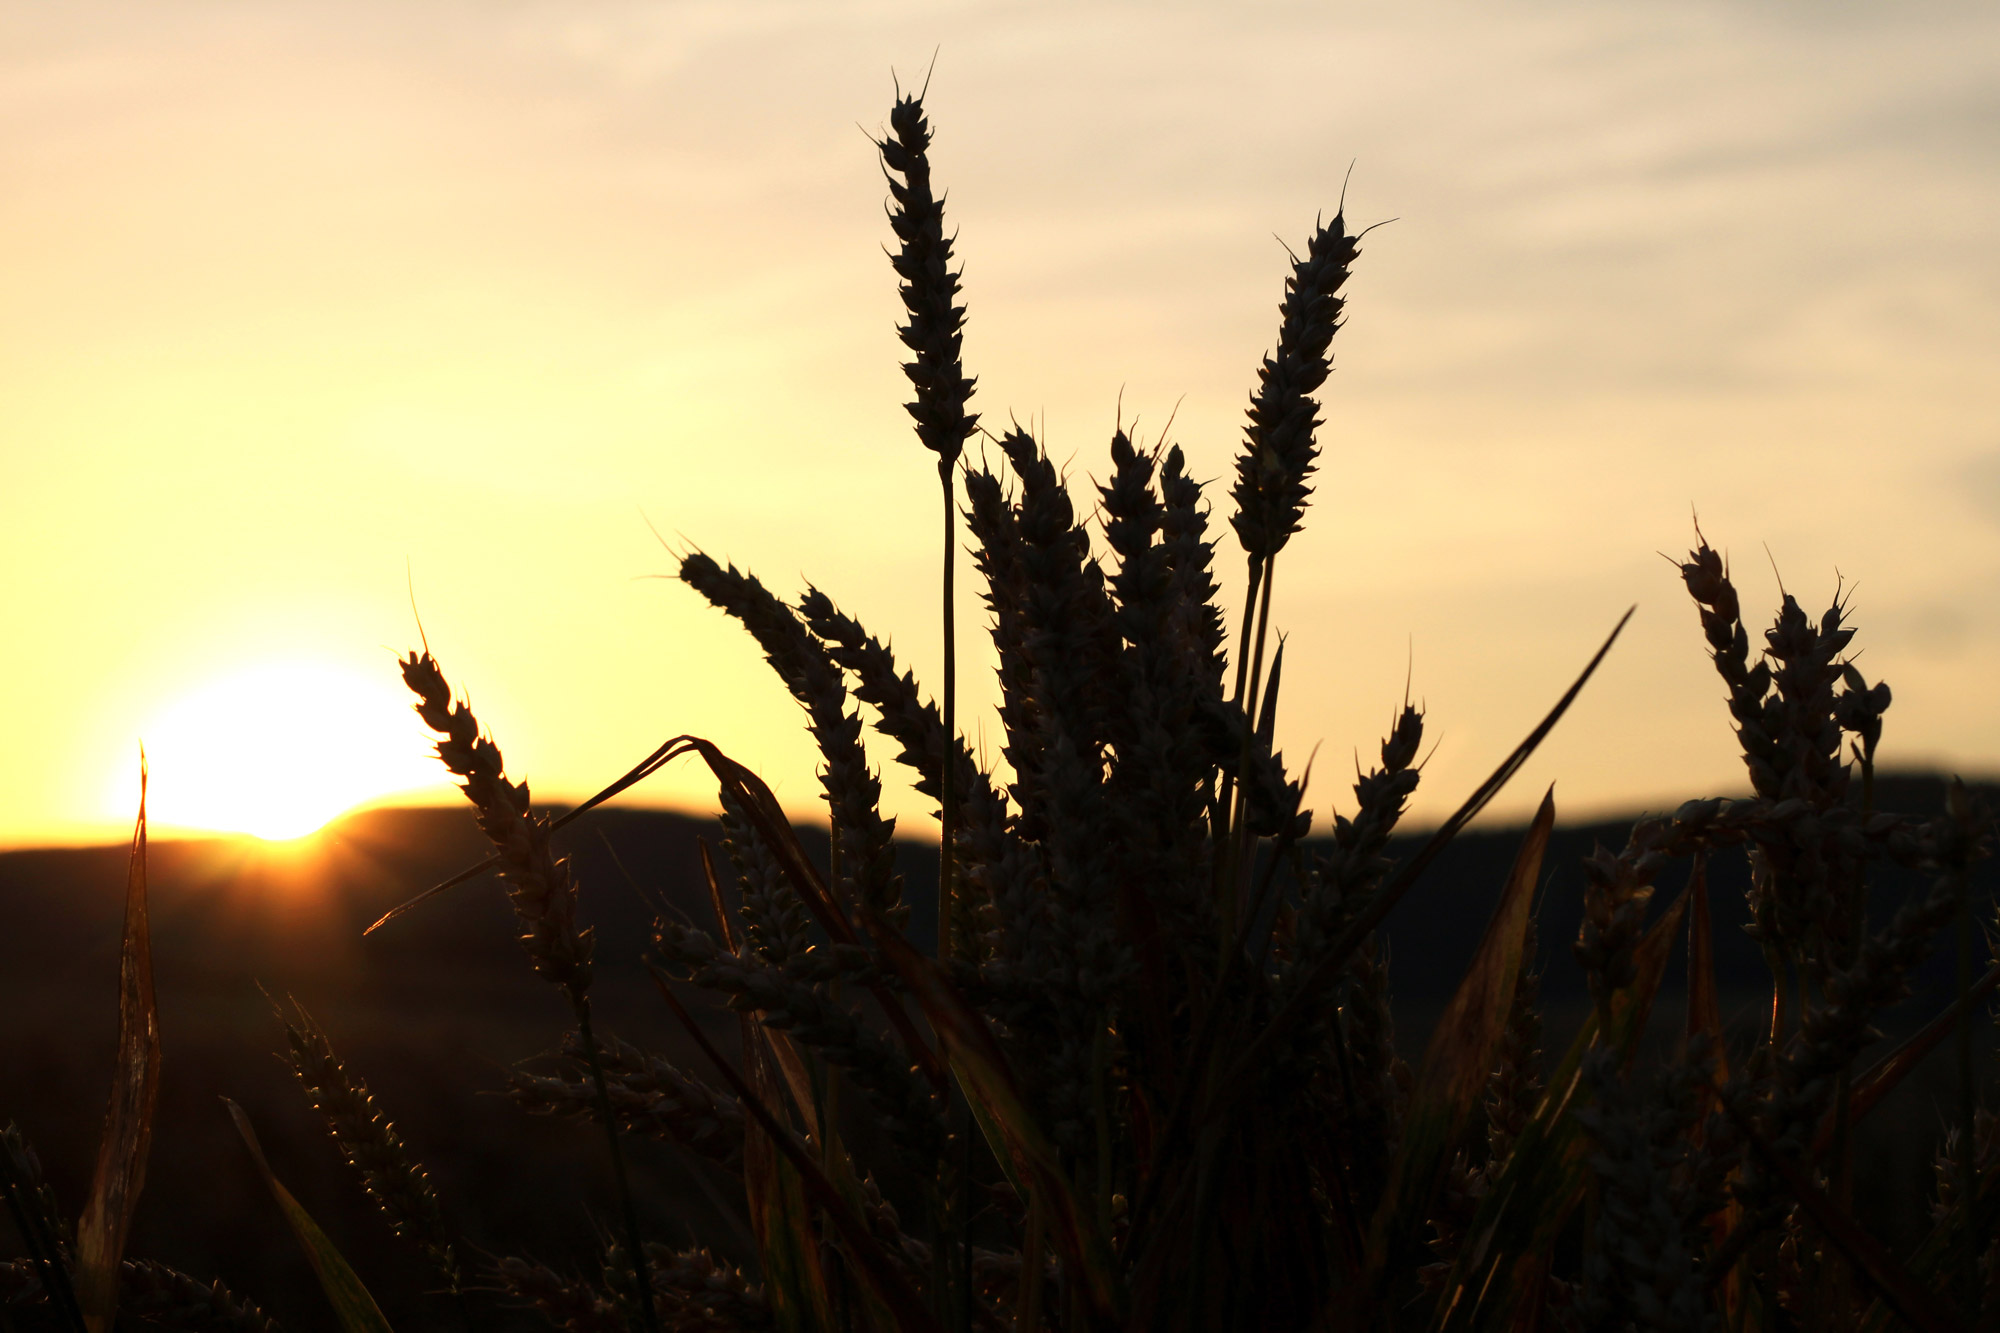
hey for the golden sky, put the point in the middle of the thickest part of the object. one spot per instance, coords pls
(299, 296)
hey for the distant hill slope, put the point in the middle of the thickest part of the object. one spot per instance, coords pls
(434, 1007)
(229, 910)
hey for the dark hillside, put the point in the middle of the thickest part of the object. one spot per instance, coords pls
(432, 1009)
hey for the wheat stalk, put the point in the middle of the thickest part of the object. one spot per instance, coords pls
(543, 894)
(1280, 452)
(934, 333)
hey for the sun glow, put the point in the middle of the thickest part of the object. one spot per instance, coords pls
(279, 749)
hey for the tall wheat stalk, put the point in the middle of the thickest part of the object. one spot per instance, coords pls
(544, 897)
(934, 333)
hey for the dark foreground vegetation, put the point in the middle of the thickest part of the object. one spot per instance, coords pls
(1123, 1055)
(436, 1014)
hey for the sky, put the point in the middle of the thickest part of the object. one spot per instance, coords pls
(310, 308)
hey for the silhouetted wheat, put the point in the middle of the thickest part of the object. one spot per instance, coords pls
(1156, 1084)
(371, 1145)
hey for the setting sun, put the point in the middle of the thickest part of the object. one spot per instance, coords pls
(279, 749)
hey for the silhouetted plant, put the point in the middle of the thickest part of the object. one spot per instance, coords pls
(1157, 1083)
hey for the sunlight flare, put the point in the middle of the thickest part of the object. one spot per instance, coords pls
(280, 748)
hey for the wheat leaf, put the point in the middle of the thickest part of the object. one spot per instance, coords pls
(761, 808)
(1267, 711)
(1544, 1177)
(1898, 1289)
(1704, 1021)
(797, 1081)
(645, 768)
(1003, 1114)
(794, 1279)
(1462, 1050)
(351, 1301)
(128, 1122)
(858, 1244)
(1327, 967)
(1704, 1012)
(1883, 1076)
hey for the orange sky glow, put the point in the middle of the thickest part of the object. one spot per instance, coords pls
(307, 306)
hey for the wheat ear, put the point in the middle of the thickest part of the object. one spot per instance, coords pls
(648, 1095)
(371, 1145)
(162, 1296)
(574, 1307)
(542, 891)
(1280, 452)
(863, 840)
(934, 332)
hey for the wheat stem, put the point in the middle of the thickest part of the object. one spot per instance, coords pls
(1239, 826)
(966, 1296)
(648, 1317)
(947, 793)
(1029, 1318)
(1249, 621)
(1227, 800)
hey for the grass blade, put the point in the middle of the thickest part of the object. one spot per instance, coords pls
(723, 921)
(351, 1302)
(1704, 1020)
(640, 771)
(761, 808)
(794, 1278)
(1267, 709)
(128, 1121)
(1461, 1053)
